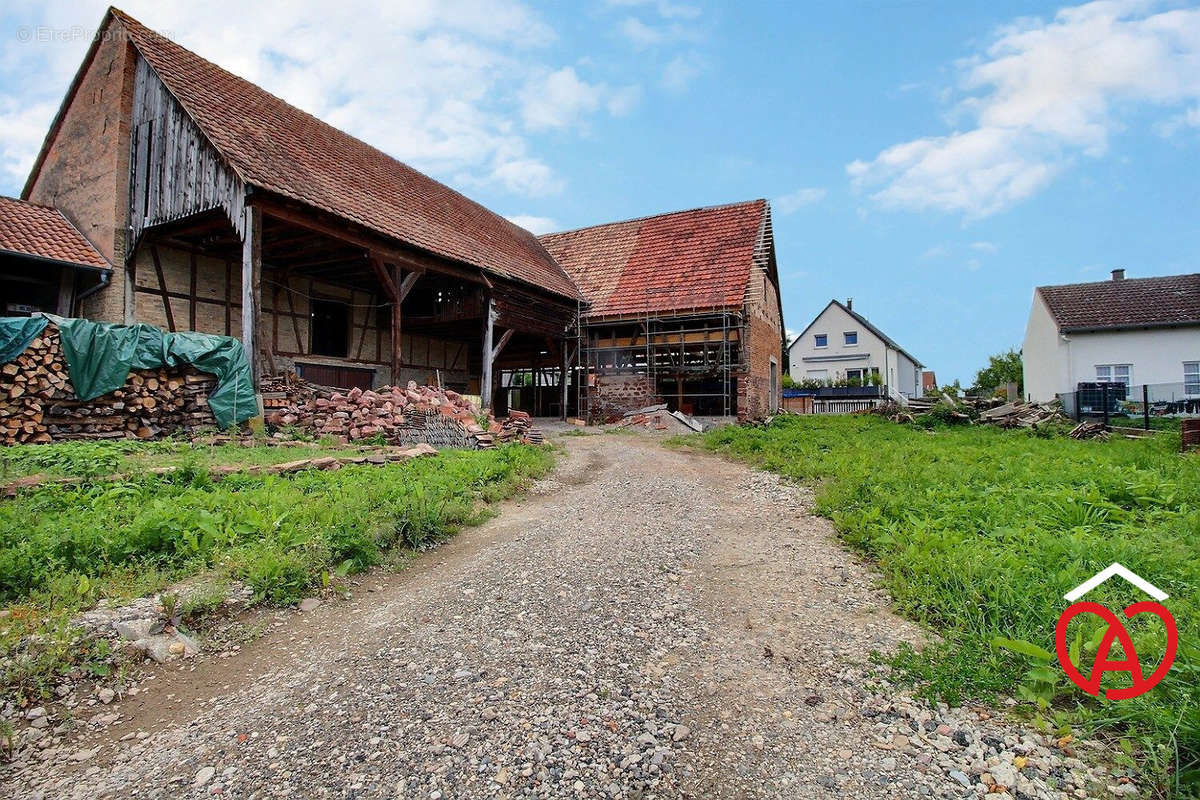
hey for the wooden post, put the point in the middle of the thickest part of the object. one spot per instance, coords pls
(485, 382)
(66, 291)
(397, 330)
(563, 375)
(252, 287)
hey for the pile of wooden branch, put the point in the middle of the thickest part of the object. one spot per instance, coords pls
(1022, 415)
(1089, 430)
(38, 403)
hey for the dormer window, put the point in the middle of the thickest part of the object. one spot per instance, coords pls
(821, 340)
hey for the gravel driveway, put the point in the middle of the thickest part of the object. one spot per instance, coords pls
(646, 623)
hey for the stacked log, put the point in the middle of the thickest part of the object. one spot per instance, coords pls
(38, 403)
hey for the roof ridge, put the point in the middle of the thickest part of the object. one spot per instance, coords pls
(1107, 281)
(648, 217)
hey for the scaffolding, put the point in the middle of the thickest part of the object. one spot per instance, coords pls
(696, 351)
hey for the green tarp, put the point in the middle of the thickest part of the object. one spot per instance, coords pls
(100, 355)
(16, 333)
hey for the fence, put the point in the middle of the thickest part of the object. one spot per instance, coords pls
(807, 404)
(1151, 405)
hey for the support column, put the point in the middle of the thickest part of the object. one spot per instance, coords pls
(485, 382)
(564, 376)
(397, 332)
(252, 288)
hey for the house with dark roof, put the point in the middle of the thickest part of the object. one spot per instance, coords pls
(1135, 331)
(45, 262)
(183, 196)
(841, 346)
(682, 308)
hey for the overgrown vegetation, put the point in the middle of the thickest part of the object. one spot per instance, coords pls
(129, 457)
(980, 531)
(64, 548)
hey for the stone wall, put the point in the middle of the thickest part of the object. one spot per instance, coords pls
(610, 397)
(85, 173)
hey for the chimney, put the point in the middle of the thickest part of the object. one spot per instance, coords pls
(1118, 274)
(850, 303)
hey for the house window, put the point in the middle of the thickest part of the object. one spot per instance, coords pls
(855, 374)
(821, 340)
(818, 374)
(851, 338)
(1191, 377)
(1114, 373)
(330, 322)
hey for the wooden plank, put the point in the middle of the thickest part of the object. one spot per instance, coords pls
(397, 334)
(410, 280)
(162, 288)
(295, 320)
(192, 292)
(485, 384)
(252, 288)
(228, 297)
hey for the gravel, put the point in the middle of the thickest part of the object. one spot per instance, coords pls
(645, 624)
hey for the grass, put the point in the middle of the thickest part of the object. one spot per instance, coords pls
(62, 548)
(128, 457)
(979, 532)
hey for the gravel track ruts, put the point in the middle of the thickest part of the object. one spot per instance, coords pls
(644, 623)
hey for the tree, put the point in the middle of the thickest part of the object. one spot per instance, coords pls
(1001, 369)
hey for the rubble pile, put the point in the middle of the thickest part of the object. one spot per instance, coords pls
(38, 403)
(658, 418)
(969, 410)
(412, 415)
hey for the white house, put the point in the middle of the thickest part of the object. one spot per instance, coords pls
(1137, 331)
(841, 344)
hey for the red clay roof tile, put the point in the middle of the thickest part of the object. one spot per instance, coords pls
(41, 232)
(697, 259)
(278, 147)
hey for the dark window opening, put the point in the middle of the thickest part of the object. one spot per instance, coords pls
(330, 328)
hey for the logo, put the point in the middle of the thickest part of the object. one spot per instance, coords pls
(1116, 632)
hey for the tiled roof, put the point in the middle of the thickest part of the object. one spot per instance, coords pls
(698, 259)
(1128, 303)
(41, 232)
(277, 147)
(866, 323)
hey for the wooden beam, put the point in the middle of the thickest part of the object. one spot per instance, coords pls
(192, 292)
(566, 370)
(504, 337)
(485, 382)
(377, 244)
(162, 288)
(252, 287)
(397, 331)
(407, 284)
(381, 272)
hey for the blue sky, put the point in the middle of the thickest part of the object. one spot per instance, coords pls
(935, 161)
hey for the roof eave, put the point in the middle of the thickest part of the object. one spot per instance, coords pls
(1136, 326)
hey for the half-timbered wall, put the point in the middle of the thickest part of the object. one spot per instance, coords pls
(175, 171)
(179, 290)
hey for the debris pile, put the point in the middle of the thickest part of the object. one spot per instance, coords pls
(968, 410)
(413, 415)
(658, 418)
(1089, 430)
(38, 402)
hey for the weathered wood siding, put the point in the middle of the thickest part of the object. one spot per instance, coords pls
(174, 170)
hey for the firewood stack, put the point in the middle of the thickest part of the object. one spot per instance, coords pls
(38, 403)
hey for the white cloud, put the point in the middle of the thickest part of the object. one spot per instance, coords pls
(1041, 95)
(973, 264)
(935, 252)
(984, 247)
(534, 224)
(641, 34)
(438, 84)
(681, 71)
(665, 9)
(793, 202)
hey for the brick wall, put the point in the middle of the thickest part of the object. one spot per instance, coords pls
(611, 396)
(86, 170)
(764, 331)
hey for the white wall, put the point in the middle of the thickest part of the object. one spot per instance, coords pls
(806, 360)
(1043, 355)
(1056, 363)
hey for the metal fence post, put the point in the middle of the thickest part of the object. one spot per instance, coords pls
(1146, 406)
(1104, 403)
